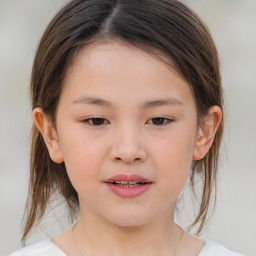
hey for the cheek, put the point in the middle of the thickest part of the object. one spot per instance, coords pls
(83, 157)
(173, 162)
(80, 148)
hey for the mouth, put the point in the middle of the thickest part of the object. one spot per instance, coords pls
(128, 185)
(126, 180)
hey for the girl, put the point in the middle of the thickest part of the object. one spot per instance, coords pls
(127, 104)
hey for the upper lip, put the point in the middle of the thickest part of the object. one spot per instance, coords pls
(128, 177)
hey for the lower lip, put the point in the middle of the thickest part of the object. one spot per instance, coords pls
(128, 191)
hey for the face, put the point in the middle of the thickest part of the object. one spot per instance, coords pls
(124, 112)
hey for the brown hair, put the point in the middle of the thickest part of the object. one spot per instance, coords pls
(165, 26)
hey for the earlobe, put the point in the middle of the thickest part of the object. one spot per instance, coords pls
(206, 132)
(47, 130)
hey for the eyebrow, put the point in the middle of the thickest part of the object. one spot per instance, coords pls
(94, 101)
(147, 104)
(161, 102)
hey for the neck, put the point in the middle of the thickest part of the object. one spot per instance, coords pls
(159, 237)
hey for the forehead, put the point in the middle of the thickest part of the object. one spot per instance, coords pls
(95, 49)
(119, 68)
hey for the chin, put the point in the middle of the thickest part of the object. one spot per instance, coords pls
(129, 219)
(129, 223)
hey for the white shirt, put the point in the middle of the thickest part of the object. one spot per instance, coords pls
(48, 248)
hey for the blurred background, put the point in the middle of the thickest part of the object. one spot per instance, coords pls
(233, 26)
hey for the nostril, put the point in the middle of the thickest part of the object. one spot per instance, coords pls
(127, 156)
(130, 160)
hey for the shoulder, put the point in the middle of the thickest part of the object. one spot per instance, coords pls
(214, 249)
(43, 248)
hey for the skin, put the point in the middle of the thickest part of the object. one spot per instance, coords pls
(128, 140)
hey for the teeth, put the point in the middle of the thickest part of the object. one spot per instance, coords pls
(128, 185)
(128, 182)
(133, 182)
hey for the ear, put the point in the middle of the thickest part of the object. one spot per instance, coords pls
(206, 132)
(46, 128)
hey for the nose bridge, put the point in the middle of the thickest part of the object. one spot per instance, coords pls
(128, 144)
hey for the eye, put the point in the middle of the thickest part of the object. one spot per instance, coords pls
(96, 121)
(160, 121)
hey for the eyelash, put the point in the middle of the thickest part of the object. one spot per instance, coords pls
(90, 121)
(166, 120)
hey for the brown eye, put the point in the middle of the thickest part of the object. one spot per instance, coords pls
(96, 121)
(160, 121)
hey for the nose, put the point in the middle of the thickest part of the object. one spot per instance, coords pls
(128, 147)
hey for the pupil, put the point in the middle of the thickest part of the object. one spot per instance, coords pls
(98, 121)
(158, 120)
